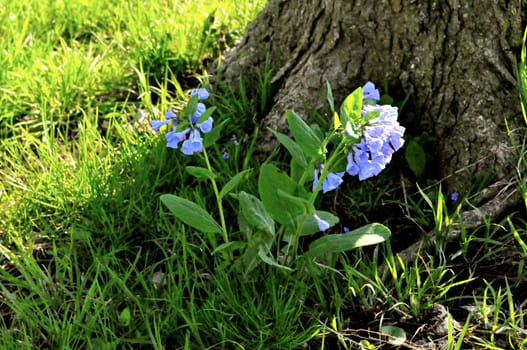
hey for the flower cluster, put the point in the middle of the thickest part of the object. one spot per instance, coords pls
(379, 137)
(188, 133)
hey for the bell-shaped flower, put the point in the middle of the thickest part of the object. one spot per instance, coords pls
(157, 124)
(331, 182)
(206, 126)
(174, 138)
(323, 225)
(370, 92)
(200, 109)
(202, 93)
(193, 144)
(169, 118)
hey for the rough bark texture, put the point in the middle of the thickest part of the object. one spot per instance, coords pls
(456, 59)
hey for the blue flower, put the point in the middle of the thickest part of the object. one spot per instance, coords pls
(191, 137)
(202, 93)
(370, 92)
(234, 140)
(206, 126)
(225, 155)
(157, 124)
(170, 114)
(323, 225)
(454, 196)
(174, 138)
(169, 118)
(194, 144)
(331, 182)
(200, 109)
(381, 137)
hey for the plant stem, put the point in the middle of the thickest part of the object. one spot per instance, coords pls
(329, 162)
(218, 198)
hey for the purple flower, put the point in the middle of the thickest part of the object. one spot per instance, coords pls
(194, 144)
(174, 138)
(225, 155)
(454, 196)
(323, 225)
(202, 93)
(345, 229)
(370, 92)
(331, 182)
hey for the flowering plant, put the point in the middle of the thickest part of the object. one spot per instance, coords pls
(360, 142)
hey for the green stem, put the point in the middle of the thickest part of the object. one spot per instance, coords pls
(218, 198)
(329, 162)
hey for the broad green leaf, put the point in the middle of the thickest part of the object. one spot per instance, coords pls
(191, 213)
(199, 172)
(310, 224)
(213, 136)
(234, 182)
(300, 203)
(304, 135)
(337, 243)
(270, 261)
(269, 182)
(416, 157)
(297, 171)
(351, 109)
(254, 213)
(396, 335)
(292, 147)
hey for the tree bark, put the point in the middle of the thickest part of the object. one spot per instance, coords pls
(456, 59)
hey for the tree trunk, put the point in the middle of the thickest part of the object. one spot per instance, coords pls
(456, 59)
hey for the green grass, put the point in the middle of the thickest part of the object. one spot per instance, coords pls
(89, 257)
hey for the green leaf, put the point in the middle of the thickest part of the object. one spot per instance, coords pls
(329, 96)
(292, 147)
(297, 171)
(351, 109)
(199, 172)
(234, 182)
(125, 317)
(254, 213)
(416, 157)
(337, 243)
(270, 181)
(308, 140)
(229, 246)
(270, 261)
(191, 213)
(213, 136)
(302, 204)
(208, 112)
(396, 335)
(310, 224)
